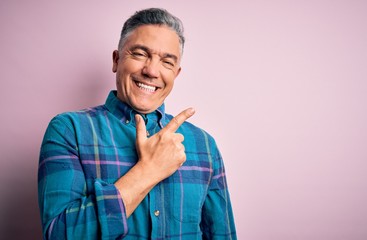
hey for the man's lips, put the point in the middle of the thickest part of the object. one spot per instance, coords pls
(145, 86)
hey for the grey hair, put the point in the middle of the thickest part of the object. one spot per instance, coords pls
(152, 16)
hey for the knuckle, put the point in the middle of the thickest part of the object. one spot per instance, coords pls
(175, 121)
(178, 146)
(179, 137)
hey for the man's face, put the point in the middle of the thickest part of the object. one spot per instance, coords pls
(147, 66)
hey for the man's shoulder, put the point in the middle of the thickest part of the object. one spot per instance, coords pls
(76, 116)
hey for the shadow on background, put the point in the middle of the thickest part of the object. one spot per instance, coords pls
(20, 214)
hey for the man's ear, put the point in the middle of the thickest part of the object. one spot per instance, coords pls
(178, 71)
(115, 59)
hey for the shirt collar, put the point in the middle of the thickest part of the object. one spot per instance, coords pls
(126, 114)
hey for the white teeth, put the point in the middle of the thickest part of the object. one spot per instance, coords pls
(146, 87)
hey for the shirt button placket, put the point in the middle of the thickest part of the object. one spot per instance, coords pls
(157, 214)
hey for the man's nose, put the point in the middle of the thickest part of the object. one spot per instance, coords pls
(151, 68)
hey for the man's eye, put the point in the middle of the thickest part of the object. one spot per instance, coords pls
(169, 63)
(138, 54)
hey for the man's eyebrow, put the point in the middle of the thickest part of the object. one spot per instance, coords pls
(148, 50)
(141, 47)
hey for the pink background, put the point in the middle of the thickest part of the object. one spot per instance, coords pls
(281, 85)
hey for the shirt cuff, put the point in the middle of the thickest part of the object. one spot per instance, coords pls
(111, 211)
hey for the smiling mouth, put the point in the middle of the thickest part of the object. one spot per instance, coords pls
(146, 87)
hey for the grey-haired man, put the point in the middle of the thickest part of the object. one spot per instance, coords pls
(127, 169)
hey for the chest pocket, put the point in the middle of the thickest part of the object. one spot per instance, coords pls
(188, 196)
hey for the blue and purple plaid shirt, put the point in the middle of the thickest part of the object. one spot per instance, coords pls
(82, 155)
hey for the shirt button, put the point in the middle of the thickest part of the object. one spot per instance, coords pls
(156, 213)
(127, 121)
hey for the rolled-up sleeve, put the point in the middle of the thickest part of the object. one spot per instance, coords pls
(217, 216)
(69, 210)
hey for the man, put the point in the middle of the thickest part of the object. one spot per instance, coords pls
(126, 169)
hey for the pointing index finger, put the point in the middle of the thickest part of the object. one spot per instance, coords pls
(176, 122)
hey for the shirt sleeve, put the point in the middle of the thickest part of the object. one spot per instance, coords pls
(217, 216)
(68, 209)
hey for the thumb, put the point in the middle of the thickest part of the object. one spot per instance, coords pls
(141, 131)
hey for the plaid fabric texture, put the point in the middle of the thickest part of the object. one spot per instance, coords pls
(83, 153)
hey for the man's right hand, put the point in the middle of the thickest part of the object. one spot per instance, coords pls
(163, 152)
(159, 157)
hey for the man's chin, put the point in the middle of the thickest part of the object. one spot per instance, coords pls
(144, 109)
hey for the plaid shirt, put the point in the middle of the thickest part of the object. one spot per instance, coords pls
(84, 153)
